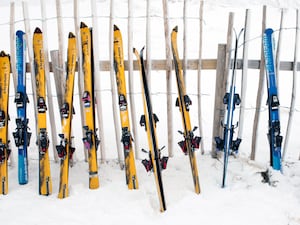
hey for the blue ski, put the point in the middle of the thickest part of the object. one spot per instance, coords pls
(21, 135)
(275, 139)
(231, 99)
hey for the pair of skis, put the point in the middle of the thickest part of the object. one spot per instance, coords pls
(21, 134)
(65, 149)
(231, 99)
(91, 142)
(275, 139)
(156, 163)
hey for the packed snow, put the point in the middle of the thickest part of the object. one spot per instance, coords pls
(246, 199)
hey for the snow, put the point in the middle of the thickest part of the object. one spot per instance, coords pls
(245, 200)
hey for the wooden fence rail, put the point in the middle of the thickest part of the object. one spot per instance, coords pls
(192, 64)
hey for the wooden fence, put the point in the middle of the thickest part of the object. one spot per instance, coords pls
(222, 66)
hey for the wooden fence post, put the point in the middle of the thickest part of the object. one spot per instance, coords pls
(168, 78)
(113, 86)
(260, 89)
(221, 86)
(30, 56)
(244, 73)
(148, 45)
(13, 57)
(218, 107)
(294, 90)
(97, 79)
(79, 68)
(131, 82)
(199, 74)
(48, 82)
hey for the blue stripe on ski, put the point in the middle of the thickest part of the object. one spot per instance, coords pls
(273, 103)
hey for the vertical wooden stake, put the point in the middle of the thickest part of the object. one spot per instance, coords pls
(260, 89)
(131, 82)
(30, 56)
(13, 44)
(221, 86)
(79, 66)
(13, 57)
(97, 79)
(60, 51)
(185, 32)
(219, 92)
(199, 74)
(148, 45)
(244, 73)
(113, 86)
(48, 81)
(294, 89)
(278, 49)
(168, 78)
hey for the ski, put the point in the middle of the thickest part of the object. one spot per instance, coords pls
(4, 117)
(231, 99)
(91, 141)
(65, 149)
(275, 139)
(190, 142)
(45, 182)
(130, 169)
(148, 120)
(21, 134)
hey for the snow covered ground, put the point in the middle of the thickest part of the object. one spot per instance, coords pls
(245, 200)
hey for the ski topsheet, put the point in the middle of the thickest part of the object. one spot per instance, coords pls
(90, 140)
(45, 182)
(190, 142)
(275, 139)
(130, 169)
(231, 99)
(4, 142)
(21, 135)
(156, 163)
(65, 149)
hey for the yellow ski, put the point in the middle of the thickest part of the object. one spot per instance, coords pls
(4, 142)
(130, 169)
(90, 140)
(45, 182)
(190, 142)
(65, 149)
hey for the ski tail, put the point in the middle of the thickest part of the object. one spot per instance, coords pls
(154, 153)
(190, 142)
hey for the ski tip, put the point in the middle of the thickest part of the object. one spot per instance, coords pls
(3, 54)
(37, 30)
(269, 31)
(83, 25)
(134, 50)
(142, 51)
(20, 33)
(175, 29)
(116, 27)
(71, 35)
